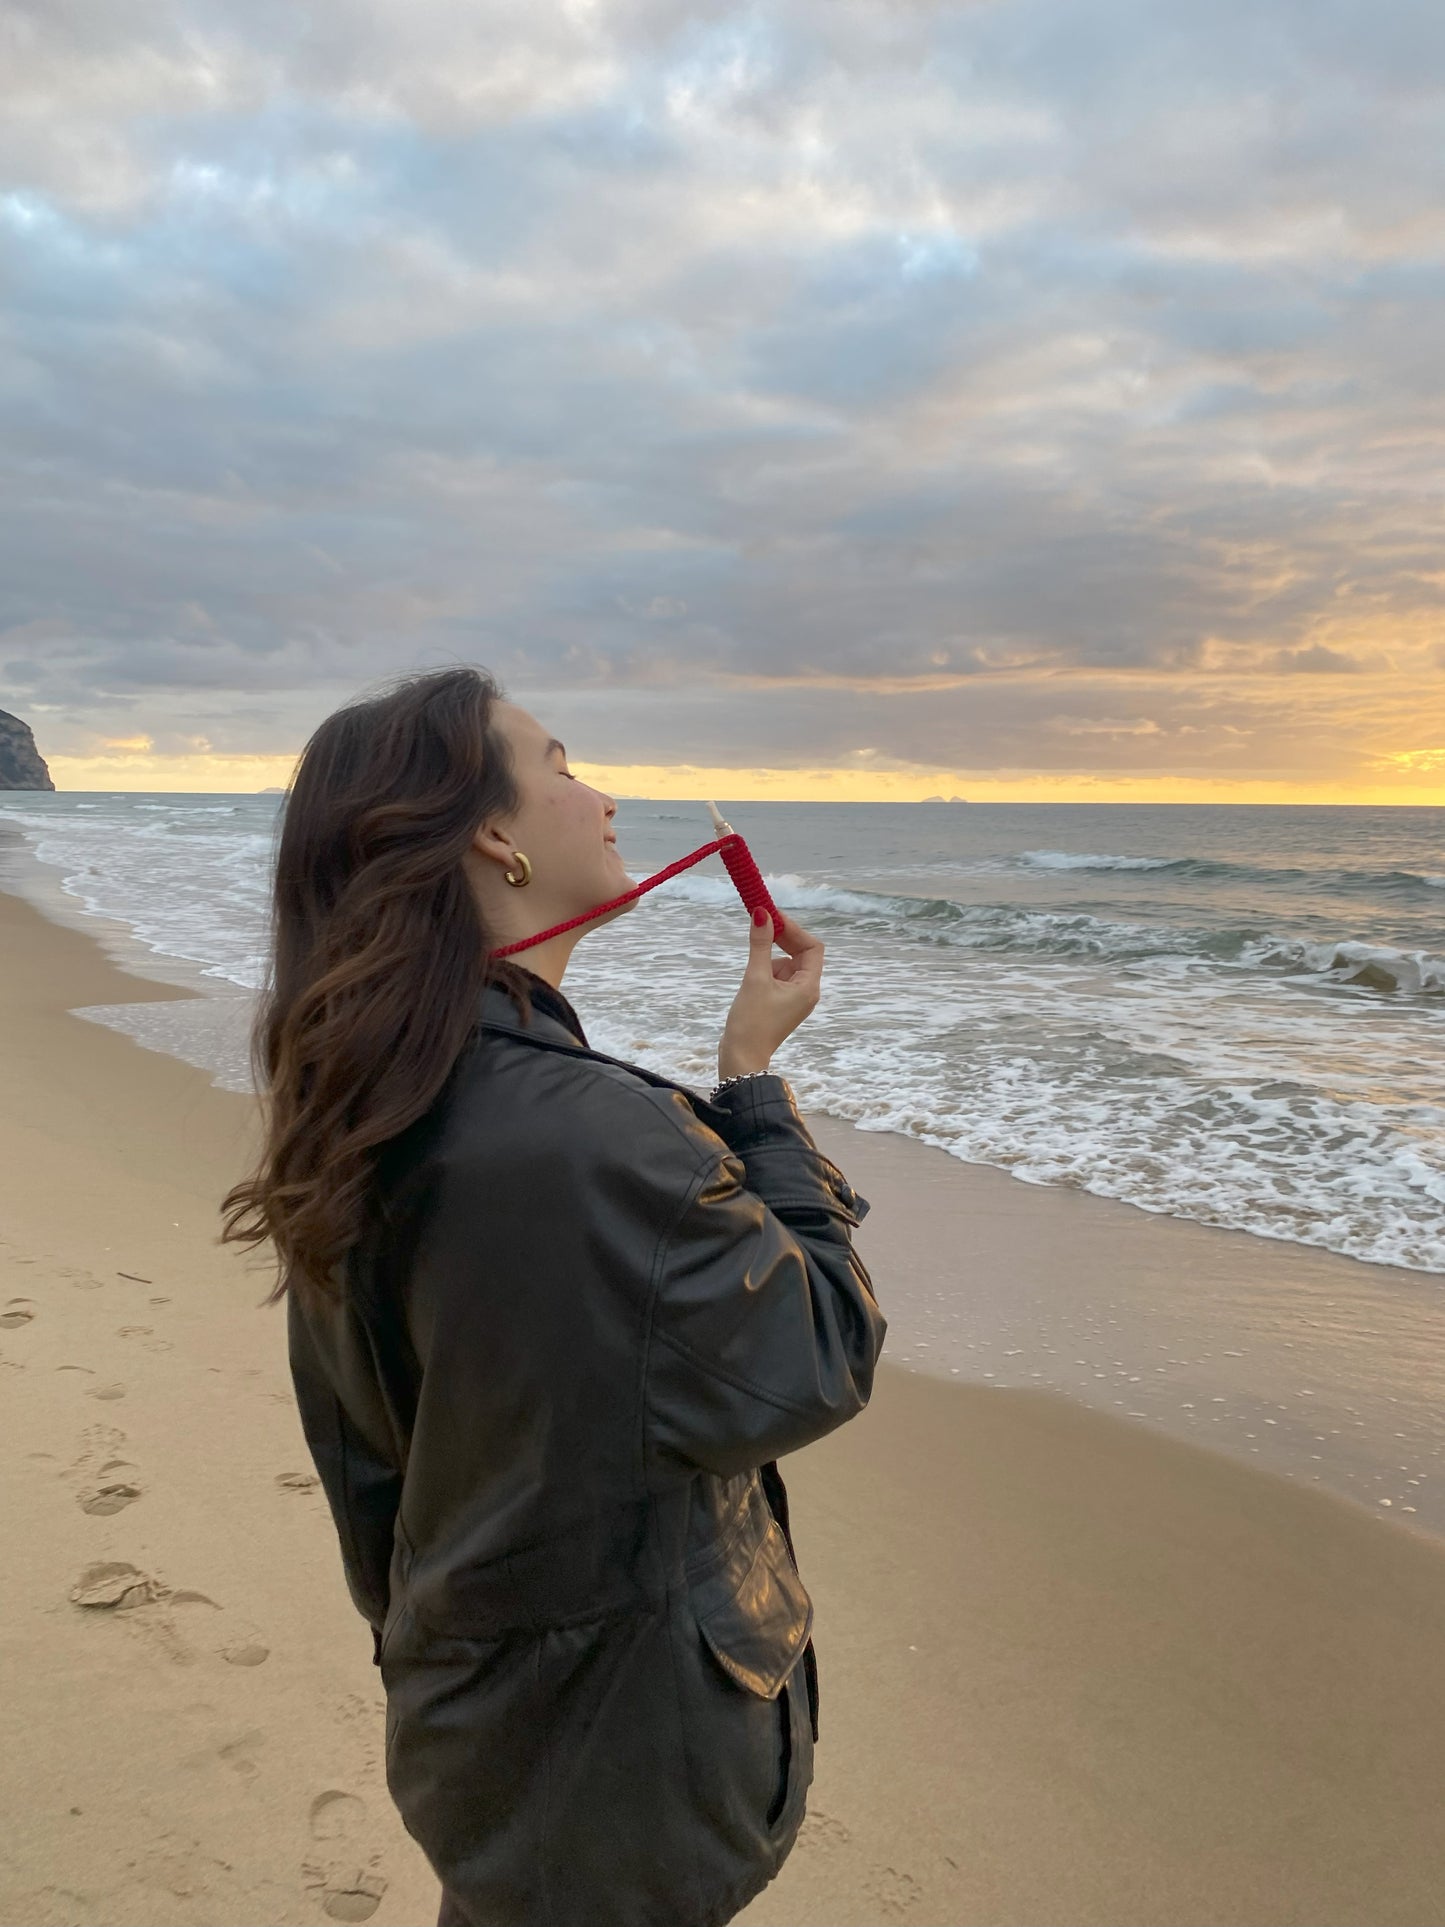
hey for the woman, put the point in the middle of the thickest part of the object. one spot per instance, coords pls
(552, 1319)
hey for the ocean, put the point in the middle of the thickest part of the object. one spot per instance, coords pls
(1230, 1014)
(1227, 1015)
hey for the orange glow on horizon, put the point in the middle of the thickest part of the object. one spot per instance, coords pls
(1413, 777)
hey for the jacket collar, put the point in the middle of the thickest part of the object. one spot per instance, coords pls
(496, 1012)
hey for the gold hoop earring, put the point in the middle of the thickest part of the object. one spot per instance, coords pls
(525, 877)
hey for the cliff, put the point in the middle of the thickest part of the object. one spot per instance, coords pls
(22, 767)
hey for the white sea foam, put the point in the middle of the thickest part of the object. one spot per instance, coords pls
(1176, 1081)
(1141, 1127)
(1369, 966)
(1282, 1078)
(197, 893)
(787, 892)
(1346, 961)
(1069, 860)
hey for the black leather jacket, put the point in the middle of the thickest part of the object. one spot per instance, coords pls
(592, 1310)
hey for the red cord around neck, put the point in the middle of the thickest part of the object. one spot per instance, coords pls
(737, 859)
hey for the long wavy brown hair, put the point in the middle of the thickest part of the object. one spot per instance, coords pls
(377, 956)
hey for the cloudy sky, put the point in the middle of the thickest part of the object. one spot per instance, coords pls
(1030, 398)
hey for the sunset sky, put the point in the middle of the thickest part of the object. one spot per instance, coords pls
(825, 398)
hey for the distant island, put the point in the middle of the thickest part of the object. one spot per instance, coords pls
(944, 799)
(276, 789)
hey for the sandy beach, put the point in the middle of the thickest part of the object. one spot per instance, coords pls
(1072, 1670)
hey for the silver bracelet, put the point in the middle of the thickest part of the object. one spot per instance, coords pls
(740, 1078)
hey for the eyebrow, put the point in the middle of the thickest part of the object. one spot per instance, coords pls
(552, 744)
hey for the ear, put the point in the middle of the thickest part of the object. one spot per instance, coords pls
(495, 845)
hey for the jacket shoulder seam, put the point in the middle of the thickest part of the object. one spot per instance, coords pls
(657, 1101)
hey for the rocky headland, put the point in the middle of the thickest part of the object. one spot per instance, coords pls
(22, 767)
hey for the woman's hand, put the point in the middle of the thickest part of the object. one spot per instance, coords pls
(773, 998)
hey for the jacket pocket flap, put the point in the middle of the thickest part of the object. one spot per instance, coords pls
(758, 1635)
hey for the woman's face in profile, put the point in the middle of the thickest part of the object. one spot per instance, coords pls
(562, 824)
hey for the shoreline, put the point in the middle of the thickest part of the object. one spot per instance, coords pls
(1298, 1361)
(1070, 1669)
(1276, 1353)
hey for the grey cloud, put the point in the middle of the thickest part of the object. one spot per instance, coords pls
(836, 344)
(1317, 661)
(996, 727)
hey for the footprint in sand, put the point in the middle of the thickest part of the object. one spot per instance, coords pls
(296, 1481)
(113, 1585)
(244, 1648)
(19, 1311)
(347, 1890)
(170, 1631)
(238, 1754)
(893, 1890)
(99, 1447)
(117, 1485)
(821, 1832)
(249, 1654)
(337, 1816)
(105, 1391)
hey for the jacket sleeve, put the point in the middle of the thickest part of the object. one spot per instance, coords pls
(352, 1450)
(764, 1330)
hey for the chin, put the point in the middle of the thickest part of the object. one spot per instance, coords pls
(615, 888)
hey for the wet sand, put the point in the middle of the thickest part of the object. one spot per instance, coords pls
(1072, 1670)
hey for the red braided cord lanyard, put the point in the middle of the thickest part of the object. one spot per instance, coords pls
(740, 866)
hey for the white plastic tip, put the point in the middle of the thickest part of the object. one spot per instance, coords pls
(719, 823)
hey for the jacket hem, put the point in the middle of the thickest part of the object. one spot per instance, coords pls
(732, 1903)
